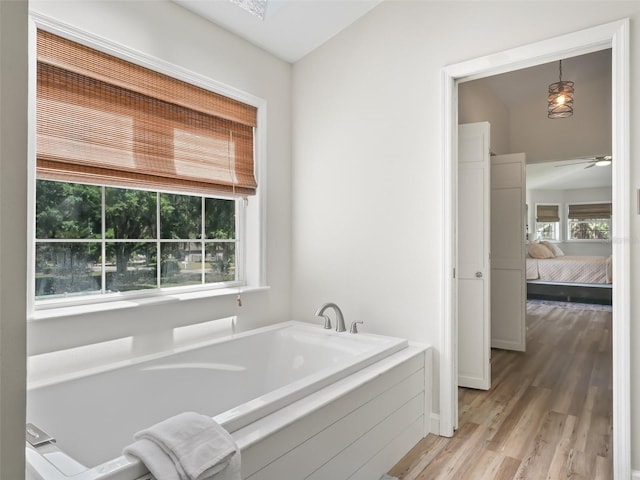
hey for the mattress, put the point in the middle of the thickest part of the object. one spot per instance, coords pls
(570, 269)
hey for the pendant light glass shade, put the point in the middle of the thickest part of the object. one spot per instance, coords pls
(560, 98)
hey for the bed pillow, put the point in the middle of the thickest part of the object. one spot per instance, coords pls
(555, 249)
(538, 250)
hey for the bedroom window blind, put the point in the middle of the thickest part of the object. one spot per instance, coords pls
(103, 120)
(547, 213)
(590, 211)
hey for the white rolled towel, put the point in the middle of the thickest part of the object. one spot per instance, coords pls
(189, 446)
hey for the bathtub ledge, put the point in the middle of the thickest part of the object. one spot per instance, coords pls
(250, 435)
(68, 309)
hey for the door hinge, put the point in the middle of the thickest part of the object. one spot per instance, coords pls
(454, 273)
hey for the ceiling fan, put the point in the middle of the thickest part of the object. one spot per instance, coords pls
(599, 161)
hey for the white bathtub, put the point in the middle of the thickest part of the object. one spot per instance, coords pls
(239, 380)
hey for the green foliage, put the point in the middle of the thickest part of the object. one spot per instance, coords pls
(219, 219)
(590, 229)
(130, 214)
(546, 230)
(180, 216)
(74, 212)
(67, 210)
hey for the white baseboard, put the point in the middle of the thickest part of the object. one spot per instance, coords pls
(635, 475)
(434, 426)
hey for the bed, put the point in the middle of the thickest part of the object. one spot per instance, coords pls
(570, 269)
(553, 275)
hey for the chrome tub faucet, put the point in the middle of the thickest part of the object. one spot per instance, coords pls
(340, 327)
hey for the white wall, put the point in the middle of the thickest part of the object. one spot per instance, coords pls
(170, 33)
(367, 152)
(13, 208)
(564, 198)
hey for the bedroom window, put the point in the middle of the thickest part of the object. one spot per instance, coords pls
(140, 177)
(589, 221)
(548, 222)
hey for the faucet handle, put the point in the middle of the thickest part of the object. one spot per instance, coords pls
(354, 327)
(327, 322)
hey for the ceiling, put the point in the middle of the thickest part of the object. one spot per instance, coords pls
(291, 28)
(517, 88)
(567, 175)
(520, 86)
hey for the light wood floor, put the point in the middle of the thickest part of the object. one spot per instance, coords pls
(547, 415)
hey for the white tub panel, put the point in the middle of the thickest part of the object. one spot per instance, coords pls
(330, 442)
(292, 426)
(314, 439)
(365, 447)
(386, 458)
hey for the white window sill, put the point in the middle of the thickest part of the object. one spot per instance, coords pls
(586, 240)
(53, 311)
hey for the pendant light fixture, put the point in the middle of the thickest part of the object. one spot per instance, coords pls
(560, 98)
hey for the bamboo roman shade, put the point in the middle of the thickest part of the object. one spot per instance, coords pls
(106, 121)
(590, 211)
(547, 213)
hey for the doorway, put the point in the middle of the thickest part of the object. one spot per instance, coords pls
(615, 36)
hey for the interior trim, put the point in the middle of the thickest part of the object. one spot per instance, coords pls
(614, 35)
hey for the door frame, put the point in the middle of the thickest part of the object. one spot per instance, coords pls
(614, 35)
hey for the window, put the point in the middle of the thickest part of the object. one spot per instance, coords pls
(547, 222)
(140, 177)
(96, 240)
(589, 221)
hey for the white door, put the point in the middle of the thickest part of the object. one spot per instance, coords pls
(473, 267)
(508, 284)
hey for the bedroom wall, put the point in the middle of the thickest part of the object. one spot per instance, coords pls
(527, 128)
(586, 133)
(477, 102)
(564, 198)
(367, 157)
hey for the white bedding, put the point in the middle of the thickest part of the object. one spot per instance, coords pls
(570, 269)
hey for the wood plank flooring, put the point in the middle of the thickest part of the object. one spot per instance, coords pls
(547, 415)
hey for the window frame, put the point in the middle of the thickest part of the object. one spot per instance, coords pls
(586, 240)
(251, 248)
(157, 241)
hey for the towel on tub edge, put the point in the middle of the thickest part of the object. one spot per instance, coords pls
(189, 446)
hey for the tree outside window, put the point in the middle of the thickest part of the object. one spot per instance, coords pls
(547, 222)
(98, 240)
(595, 229)
(589, 221)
